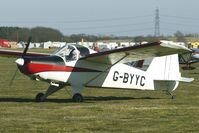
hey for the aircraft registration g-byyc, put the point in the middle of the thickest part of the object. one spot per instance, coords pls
(80, 67)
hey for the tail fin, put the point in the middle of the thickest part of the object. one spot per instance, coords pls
(165, 68)
(165, 72)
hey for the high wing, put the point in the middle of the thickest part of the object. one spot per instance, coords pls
(14, 53)
(134, 53)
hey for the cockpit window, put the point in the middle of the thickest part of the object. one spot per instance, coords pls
(69, 52)
(73, 55)
(140, 64)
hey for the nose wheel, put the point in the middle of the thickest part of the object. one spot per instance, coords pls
(77, 98)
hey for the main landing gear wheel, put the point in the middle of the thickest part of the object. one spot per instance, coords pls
(77, 98)
(39, 97)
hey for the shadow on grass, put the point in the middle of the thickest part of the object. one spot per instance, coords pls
(86, 99)
(112, 98)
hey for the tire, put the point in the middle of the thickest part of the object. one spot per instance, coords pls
(39, 98)
(77, 98)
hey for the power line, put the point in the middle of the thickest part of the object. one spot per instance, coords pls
(107, 26)
(118, 23)
(125, 31)
(173, 23)
(175, 30)
(179, 24)
(180, 17)
(82, 20)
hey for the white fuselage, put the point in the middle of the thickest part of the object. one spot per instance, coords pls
(118, 76)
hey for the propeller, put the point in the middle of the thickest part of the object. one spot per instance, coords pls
(26, 48)
(13, 77)
(20, 61)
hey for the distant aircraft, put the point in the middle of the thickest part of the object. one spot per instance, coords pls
(189, 58)
(80, 67)
(195, 54)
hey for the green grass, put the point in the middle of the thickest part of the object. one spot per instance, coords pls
(104, 110)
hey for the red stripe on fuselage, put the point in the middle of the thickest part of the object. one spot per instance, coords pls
(36, 68)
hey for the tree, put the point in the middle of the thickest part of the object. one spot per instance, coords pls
(139, 39)
(43, 34)
(180, 36)
(38, 34)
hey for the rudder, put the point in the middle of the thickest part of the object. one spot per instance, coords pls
(165, 72)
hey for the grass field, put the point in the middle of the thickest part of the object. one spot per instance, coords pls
(104, 110)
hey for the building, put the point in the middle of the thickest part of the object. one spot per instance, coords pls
(194, 45)
(13, 44)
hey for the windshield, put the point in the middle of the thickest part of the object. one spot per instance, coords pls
(68, 52)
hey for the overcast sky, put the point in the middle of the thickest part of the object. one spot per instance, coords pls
(103, 17)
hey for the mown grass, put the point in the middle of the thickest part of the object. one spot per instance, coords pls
(102, 111)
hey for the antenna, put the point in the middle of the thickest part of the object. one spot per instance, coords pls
(157, 23)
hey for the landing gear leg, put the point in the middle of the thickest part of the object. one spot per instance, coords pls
(77, 96)
(171, 94)
(41, 97)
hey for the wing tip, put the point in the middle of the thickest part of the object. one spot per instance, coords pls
(173, 45)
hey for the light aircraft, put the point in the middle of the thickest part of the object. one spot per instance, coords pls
(80, 67)
(195, 54)
(189, 58)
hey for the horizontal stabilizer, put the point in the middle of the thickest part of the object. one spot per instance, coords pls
(184, 79)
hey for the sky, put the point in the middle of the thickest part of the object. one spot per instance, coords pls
(103, 17)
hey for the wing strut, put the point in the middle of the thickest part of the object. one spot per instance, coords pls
(106, 69)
